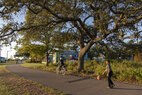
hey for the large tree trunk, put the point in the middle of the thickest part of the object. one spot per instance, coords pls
(80, 62)
(82, 53)
(47, 61)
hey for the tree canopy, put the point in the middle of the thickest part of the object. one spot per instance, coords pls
(94, 21)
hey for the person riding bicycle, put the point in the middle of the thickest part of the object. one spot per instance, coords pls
(61, 63)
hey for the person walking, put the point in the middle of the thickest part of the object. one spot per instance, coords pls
(109, 74)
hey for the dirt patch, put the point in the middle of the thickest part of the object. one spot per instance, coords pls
(16, 85)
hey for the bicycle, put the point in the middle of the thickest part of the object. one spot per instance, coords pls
(62, 71)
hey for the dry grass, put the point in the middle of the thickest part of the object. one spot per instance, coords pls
(11, 84)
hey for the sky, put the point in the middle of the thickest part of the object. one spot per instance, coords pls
(8, 51)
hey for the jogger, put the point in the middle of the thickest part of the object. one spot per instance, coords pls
(109, 74)
(110, 83)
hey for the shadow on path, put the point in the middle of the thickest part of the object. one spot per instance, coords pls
(127, 89)
(74, 85)
(81, 79)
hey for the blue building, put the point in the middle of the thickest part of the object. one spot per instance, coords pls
(2, 60)
(70, 55)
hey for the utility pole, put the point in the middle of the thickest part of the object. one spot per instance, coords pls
(7, 55)
(0, 48)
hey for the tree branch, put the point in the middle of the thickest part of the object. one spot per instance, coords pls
(101, 37)
(30, 27)
(132, 36)
(107, 47)
(85, 29)
(116, 23)
(132, 22)
(57, 16)
(49, 10)
(115, 12)
(87, 18)
(35, 12)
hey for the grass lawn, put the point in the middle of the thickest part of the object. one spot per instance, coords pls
(11, 84)
(42, 67)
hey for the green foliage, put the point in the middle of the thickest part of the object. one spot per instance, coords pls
(51, 67)
(35, 52)
(92, 21)
(125, 71)
(72, 67)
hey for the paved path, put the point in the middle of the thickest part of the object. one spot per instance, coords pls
(75, 85)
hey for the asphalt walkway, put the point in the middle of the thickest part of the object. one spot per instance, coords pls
(74, 85)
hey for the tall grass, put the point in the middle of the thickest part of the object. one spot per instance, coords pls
(124, 71)
(38, 66)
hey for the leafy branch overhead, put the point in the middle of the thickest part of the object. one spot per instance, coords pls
(92, 20)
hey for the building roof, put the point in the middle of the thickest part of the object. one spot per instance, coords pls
(2, 58)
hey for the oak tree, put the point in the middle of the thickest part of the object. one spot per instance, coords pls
(93, 20)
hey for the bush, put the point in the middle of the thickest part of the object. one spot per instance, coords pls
(72, 67)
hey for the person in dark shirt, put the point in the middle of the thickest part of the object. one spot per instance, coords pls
(61, 63)
(109, 74)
